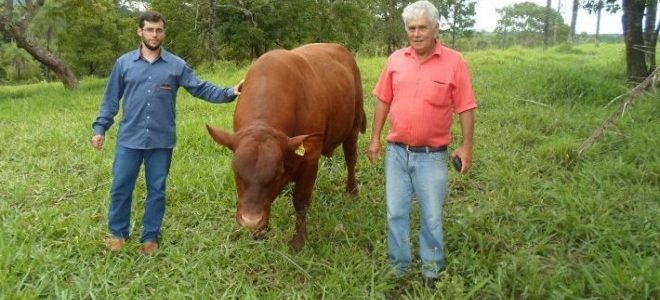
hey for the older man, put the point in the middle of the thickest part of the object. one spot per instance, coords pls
(419, 88)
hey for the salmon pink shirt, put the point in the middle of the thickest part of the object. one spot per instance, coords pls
(423, 96)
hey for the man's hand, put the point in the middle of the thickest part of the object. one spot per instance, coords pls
(374, 150)
(97, 141)
(237, 87)
(465, 153)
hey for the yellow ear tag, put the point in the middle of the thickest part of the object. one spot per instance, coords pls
(300, 151)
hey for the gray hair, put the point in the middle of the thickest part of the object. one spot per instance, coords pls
(419, 9)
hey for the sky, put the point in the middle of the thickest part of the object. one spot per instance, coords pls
(486, 18)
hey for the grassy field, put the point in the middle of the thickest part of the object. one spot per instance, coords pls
(523, 224)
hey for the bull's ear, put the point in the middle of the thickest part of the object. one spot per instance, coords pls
(221, 137)
(308, 145)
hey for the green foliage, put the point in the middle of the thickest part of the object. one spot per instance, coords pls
(111, 34)
(347, 24)
(610, 6)
(248, 29)
(520, 225)
(186, 23)
(90, 34)
(387, 31)
(523, 24)
(18, 65)
(460, 18)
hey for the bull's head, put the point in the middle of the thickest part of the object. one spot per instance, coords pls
(263, 163)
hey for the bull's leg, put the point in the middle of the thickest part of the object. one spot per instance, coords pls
(302, 196)
(350, 154)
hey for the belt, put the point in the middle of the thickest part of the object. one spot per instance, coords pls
(421, 149)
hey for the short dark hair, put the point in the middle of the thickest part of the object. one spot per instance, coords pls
(151, 16)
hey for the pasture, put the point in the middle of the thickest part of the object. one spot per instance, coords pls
(524, 223)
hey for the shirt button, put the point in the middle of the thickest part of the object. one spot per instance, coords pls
(148, 103)
(147, 117)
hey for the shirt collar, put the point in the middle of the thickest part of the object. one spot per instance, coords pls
(437, 51)
(164, 54)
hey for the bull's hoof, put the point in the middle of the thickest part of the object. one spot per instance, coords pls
(352, 190)
(297, 244)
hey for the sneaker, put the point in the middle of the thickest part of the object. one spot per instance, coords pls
(115, 243)
(150, 247)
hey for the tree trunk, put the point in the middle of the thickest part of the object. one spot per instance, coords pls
(571, 36)
(17, 30)
(546, 25)
(45, 71)
(650, 37)
(63, 72)
(212, 43)
(633, 13)
(598, 11)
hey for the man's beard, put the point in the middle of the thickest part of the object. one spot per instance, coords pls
(152, 48)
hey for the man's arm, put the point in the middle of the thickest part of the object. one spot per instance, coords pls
(206, 90)
(109, 106)
(375, 147)
(464, 151)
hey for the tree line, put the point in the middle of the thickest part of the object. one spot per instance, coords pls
(67, 39)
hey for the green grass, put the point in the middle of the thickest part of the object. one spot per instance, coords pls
(523, 224)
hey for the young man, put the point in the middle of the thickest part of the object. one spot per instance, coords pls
(419, 88)
(147, 79)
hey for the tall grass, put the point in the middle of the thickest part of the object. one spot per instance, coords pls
(522, 224)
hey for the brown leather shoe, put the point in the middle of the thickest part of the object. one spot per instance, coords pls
(150, 247)
(115, 243)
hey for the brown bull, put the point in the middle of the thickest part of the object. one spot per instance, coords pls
(294, 106)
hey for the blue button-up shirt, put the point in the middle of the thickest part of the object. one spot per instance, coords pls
(149, 92)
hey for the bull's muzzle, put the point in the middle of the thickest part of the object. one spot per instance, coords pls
(251, 221)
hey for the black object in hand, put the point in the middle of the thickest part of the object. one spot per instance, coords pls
(458, 164)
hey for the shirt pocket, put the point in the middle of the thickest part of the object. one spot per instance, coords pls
(438, 93)
(166, 86)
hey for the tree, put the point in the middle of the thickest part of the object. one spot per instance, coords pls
(91, 43)
(633, 14)
(18, 64)
(187, 32)
(460, 14)
(15, 24)
(524, 23)
(388, 29)
(245, 30)
(640, 40)
(344, 22)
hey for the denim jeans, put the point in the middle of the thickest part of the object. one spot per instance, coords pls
(125, 172)
(425, 176)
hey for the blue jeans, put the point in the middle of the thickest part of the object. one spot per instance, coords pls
(425, 176)
(125, 172)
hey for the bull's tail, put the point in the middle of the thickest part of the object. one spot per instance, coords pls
(363, 126)
(360, 100)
